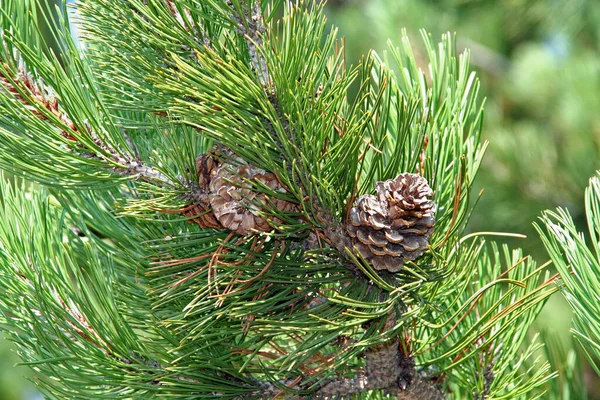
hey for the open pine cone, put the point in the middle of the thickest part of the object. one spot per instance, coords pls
(237, 205)
(395, 224)
(233, 198)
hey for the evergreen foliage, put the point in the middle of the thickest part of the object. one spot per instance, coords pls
(579, 265)
(111, 292)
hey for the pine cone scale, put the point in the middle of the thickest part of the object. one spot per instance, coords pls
(378, 238)
(378, 251)
(393, 236)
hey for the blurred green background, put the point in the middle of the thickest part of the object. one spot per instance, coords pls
(539, 65)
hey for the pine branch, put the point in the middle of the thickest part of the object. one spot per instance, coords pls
(37, 100)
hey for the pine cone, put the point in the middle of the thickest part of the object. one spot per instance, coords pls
(228, 198)
(235, 202)
(395, 224)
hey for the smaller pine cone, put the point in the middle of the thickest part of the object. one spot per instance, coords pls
(395, 224)
(237, 205)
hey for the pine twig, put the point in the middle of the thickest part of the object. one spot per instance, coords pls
(35, 97)
(250, 26)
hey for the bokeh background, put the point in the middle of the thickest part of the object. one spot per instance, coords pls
(539, 65)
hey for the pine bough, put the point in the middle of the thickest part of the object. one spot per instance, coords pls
(208, 202)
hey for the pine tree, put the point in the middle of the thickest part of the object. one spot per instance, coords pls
(209, 203)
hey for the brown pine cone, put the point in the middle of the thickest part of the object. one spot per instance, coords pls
(395, 224)
(228, 199)
(237, 204)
